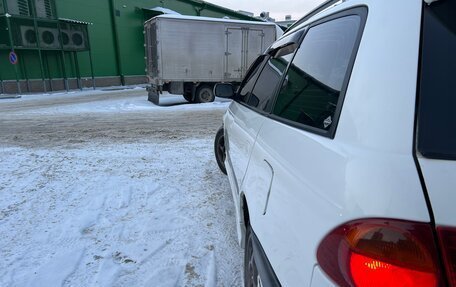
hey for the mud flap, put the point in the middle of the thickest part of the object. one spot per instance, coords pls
(153, 95)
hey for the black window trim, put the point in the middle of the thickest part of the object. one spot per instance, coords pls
(263, 64)
(292, 38)
(298, 34)
(360, 11)
(249, 71)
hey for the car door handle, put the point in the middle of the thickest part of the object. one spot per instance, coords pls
(270, 187)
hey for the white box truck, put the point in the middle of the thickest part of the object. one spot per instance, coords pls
(188, 55)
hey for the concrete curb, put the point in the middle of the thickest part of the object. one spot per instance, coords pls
(2, 97)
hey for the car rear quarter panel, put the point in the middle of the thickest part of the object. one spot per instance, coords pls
(440, 179)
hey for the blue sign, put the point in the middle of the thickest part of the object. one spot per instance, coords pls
(13, 58)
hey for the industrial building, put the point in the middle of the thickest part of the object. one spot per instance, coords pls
(49, 45)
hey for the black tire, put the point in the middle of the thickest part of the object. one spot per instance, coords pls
(219, 149)
(250, 268)
(188, 97)
(204, 94)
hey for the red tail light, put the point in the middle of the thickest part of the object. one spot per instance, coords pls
(381, 252)
(447, 237)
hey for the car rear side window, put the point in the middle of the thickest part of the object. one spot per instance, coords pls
(262, 95)
(250, 79)
(312, 87)
(437, 90)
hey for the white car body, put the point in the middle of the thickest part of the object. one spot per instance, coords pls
(299, 185)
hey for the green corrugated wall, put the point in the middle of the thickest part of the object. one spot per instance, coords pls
(128, 16)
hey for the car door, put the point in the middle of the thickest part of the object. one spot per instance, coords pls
(241, 126)
(254, 100)
(261, 100)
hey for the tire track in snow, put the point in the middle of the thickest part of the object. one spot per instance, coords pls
(57, 270)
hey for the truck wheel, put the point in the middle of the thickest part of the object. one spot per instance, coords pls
(204, 94)
(188, 97)
(219, 149)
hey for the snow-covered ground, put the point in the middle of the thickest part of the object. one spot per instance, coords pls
(107, 189)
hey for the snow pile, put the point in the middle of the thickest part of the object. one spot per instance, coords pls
(164, 10)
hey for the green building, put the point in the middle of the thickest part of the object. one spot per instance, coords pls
(48, 45)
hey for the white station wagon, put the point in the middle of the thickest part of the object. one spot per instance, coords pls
(340, 149)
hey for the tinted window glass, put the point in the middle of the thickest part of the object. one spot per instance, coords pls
(250, 78)
(437, 98)
(313, 83)
(263, 93)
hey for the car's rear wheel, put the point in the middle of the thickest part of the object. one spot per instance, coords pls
(219, 149)
(251, 278)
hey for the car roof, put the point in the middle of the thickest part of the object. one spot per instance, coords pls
(323, 7)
